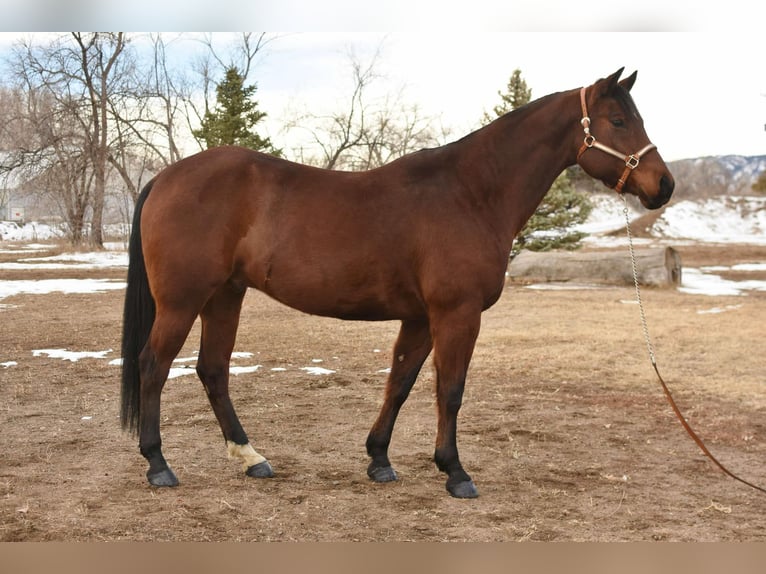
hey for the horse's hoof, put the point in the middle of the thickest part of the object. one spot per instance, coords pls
(162, 478)
(382, 474)
(260, 470)
(465, 489)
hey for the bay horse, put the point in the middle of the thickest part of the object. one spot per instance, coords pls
(424, 240)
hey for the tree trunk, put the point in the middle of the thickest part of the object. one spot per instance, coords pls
(660, 266)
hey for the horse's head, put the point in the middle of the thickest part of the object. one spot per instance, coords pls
(614, 147)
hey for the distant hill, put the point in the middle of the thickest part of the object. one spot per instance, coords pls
(717, 175)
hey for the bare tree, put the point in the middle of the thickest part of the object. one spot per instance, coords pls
(98, 61)
(123, 115)
(147, 123)
(44, 161)
(368, 132)
(396, 129)
(80, 74)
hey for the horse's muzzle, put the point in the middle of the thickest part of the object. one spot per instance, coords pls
(667, 185)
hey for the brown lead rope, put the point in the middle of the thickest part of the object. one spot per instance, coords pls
(653, 359)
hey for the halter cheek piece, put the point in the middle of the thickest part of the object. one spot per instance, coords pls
(631, 161)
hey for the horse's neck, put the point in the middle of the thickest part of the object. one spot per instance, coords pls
(520, 155)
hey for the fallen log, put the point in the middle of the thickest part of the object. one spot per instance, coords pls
(657, 266)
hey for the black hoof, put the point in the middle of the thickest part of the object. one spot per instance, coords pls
(260, 470)
(382, 474)
(163, 478)
(465, 489)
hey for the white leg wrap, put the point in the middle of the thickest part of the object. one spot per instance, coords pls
(245, 453)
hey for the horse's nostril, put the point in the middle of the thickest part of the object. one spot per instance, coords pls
(667, 185)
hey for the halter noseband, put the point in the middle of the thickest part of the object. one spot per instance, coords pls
(631, 161)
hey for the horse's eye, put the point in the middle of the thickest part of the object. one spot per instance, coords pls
(618, 123)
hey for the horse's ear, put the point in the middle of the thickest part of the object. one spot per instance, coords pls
(605, 86)
(628, 82)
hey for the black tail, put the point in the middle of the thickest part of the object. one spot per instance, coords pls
(138, 318)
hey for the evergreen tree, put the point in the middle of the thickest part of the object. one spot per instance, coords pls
(561, 208)
(550, 226)
(518, 94)
(234, 117)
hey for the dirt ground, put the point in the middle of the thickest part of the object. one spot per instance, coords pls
(563, 428)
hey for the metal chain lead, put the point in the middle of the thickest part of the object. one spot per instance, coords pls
(644, 325)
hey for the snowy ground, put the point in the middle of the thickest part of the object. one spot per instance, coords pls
(717, 220)
(740, 219)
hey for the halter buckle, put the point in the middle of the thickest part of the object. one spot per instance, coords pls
(632, 161)
(589, 140)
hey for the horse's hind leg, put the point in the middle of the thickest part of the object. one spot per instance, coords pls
(410, 352)
(167, 336)
(220, 318)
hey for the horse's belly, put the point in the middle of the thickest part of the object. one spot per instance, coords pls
(345, 290)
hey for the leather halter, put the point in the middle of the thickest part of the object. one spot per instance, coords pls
(631, 161)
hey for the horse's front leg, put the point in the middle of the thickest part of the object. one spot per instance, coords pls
(410, 351)
(454, 335)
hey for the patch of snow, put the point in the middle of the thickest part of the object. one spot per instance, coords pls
(607, 214)
(68, 355)
(8, 364)
(91, 260)
(31, 231)
(317, 371)
(696, 282)
(176, 372)
(723, 219)
(718, 220)
(22, 250)
(716, 310)
(749, 267)
(45, 286)
(244, 370)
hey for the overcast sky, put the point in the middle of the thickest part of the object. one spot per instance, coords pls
(701, 87)
(697, 96)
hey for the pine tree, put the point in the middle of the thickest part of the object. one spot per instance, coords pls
(550, 227)
(234, 117)
(518, 94)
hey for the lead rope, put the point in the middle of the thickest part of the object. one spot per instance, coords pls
(653, 360)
